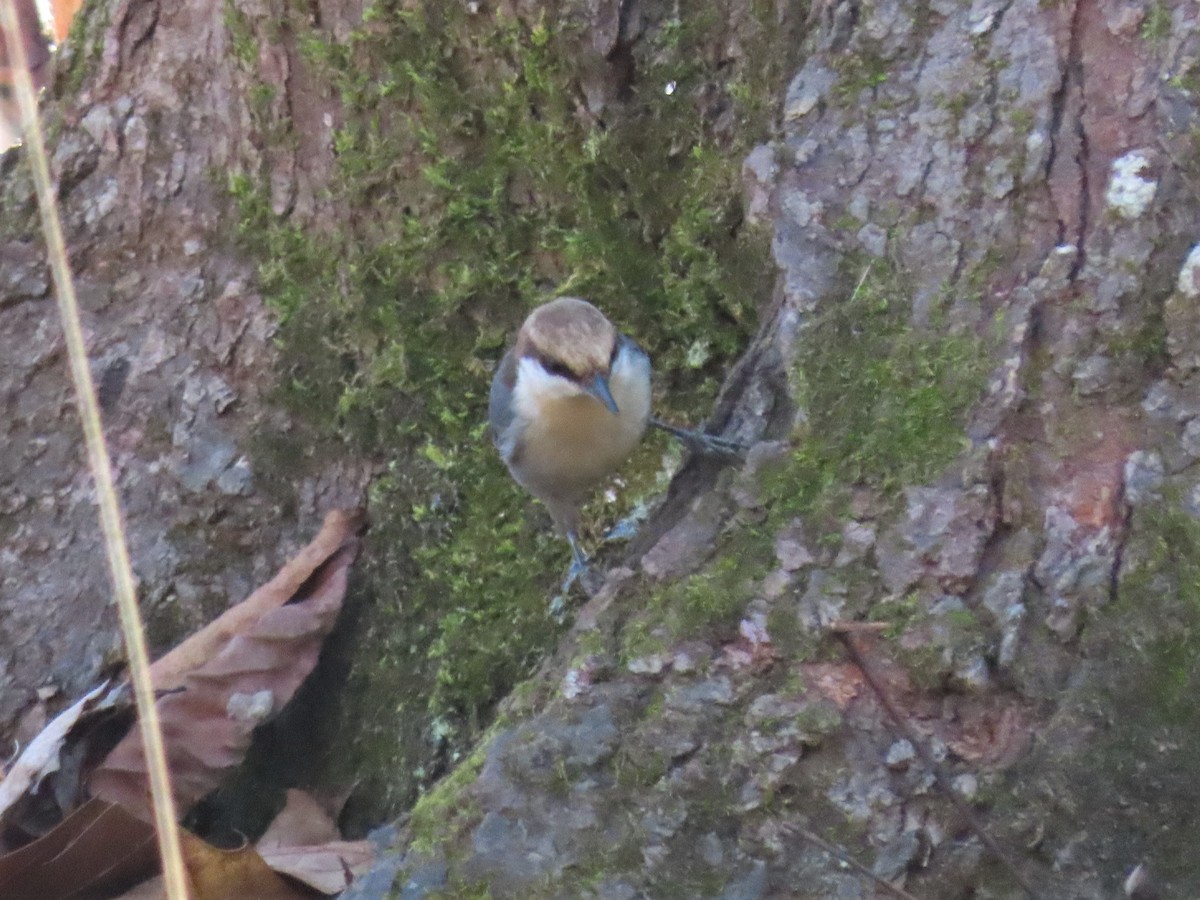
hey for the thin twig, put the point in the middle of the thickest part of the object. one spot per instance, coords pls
(918, 742)
(848, 627)
(165, 819)
(838, 853)
(862, 280)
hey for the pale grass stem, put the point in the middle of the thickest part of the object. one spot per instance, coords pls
(165, 819)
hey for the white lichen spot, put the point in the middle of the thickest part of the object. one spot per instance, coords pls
(1130, 193)
(966, 785)
(250, 707)
(670, 88)
(651, 664)
(754, 629)
(102, 203)
(698, 354)
(801, 210)
(574, 683)
(801, 105)
(982, 25)
(1189, 275)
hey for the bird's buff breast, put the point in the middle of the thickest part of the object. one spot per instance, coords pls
(574, 441)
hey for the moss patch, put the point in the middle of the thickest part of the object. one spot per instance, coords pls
(447, 808)
(886, 404)
(474, 181)
(1141, 780)
(885, 401)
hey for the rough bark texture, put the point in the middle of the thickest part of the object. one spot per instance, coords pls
(153, 114)
(974, 390)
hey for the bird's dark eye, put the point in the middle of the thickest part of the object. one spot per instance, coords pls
(554, 367)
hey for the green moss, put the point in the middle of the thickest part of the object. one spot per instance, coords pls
(885, 401)
(817, 722)
(78, 54)
(862, 70)
(448, 806)
(708, 604)
(715, 596)
(886, 405)
(642, 637)
(464, 891)
(899, 613)
(1159, 601)
(789, 638)
(1143, 349)
(638, 765)
(1133, 794)
(242, 39)
(477, 184)
(1156, 26)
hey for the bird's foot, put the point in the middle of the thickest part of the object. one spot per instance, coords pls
(627, 527)
(581, 573)
(702, 442)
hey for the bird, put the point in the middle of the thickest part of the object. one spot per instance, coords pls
(570, 401)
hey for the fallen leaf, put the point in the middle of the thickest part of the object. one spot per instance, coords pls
(840, 683)
(303, 842)
(990, 737)
(102, 849)
(41, 757)
(329, 868)
(207, 726)
(96, 851)
(221, 684)
(301, 822)
(215, 874)
(218, 874)
(339, 527)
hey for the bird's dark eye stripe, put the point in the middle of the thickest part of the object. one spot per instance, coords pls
(612, 357)
(554, 367)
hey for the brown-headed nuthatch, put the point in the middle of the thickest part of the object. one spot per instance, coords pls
(569, 402)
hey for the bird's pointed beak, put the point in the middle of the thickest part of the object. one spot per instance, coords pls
(598, 388)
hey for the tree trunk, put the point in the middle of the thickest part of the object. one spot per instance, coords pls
(302, 237)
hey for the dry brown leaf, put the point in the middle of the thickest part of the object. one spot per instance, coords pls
(215, 874)
(224, 874)
(840, 683)
(97, 850)
(41, 757)
(154, 889)
(301, 822)
(102, 849)
(339, 527)
(990, 737)
(207, 726)
(329, 867)
(303, 842)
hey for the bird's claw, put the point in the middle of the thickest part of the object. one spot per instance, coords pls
(712, 445)
(702, 442)
(581, 573)
(625, 529)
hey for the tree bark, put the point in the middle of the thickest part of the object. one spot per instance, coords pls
(972, 393)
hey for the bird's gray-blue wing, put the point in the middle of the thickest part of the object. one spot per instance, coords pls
(627, 345)
(500, 404)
